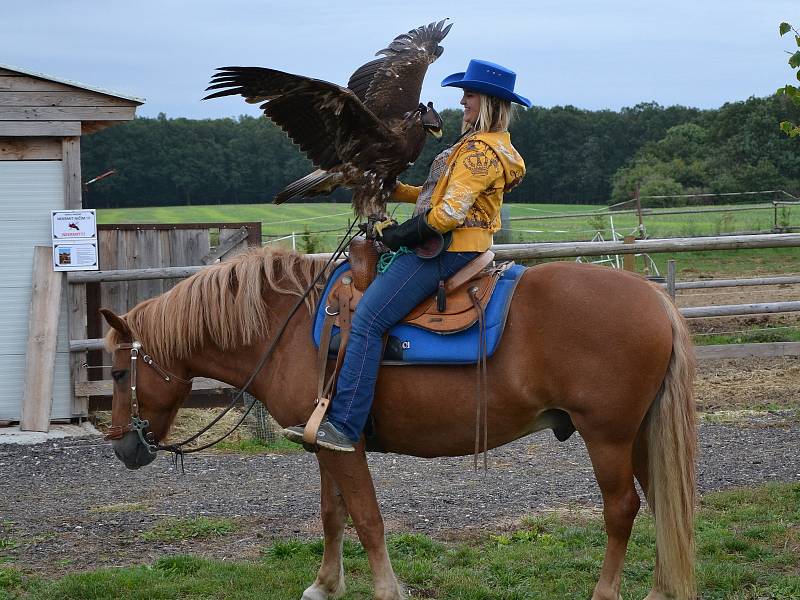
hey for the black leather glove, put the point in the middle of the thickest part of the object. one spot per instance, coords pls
(411, 233)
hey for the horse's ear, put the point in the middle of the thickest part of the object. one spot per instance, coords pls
(115, 321)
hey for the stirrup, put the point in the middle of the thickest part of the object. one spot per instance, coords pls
(312, 426)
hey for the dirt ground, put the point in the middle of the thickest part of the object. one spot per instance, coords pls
(70, 505)
(727, 386)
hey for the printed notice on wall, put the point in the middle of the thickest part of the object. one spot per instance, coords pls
(74, 240)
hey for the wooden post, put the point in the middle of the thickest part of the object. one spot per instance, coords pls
(504, 236)
(76, 294)
(774, 216)
(40, 359)
(671, 278)
(629, 260)
(639, 213)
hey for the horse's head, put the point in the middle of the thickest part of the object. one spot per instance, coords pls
(146, 398)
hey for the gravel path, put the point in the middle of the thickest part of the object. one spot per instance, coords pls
(71, 505)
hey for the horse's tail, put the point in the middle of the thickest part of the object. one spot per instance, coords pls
(672, 446)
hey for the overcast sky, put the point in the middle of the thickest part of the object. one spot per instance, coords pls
(590, 54)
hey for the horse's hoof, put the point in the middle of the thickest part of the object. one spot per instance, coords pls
(316, 592)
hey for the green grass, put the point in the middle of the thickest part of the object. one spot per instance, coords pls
(256, 446)
(681, 225)
(120, 507)
(732, 263)
(748, 549)
(763, 334)
(283, 220)
(319, 227)
(171, 530)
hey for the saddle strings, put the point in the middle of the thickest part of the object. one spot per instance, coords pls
(481, 399)
(178, 448)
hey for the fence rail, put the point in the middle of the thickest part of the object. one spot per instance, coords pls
(565, 249)
(768, 350)
(514, 251)
(652, 212)
(721, 283)
(540, 251)
(731, 310)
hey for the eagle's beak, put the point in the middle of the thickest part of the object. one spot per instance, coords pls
(437, 133)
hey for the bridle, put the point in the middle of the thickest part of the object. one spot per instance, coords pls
(136, 423)
(139, 425)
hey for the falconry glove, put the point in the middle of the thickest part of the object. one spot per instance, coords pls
(415, 233)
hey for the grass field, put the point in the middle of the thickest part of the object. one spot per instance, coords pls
(748, 545)
(318, 227)
(321, 217)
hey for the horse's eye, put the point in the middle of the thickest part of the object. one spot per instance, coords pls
(118, 374)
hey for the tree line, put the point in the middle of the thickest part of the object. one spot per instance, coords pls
(573, 156)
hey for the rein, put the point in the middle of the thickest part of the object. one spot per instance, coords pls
(140, 425)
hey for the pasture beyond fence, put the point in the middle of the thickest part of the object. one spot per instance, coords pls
(527, 252)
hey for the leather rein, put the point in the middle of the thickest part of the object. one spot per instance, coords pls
(140, 426)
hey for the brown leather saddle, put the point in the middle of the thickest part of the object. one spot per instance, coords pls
(466, 293)
(460, 303)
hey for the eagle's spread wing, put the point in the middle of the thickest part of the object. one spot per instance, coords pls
(329, 123)
(362, 78)
(396, 78)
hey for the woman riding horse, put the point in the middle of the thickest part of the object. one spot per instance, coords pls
(585, 348)
(461, 199)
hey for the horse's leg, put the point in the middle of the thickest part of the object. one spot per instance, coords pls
(330, 578)
(351, 474)
(613, 468)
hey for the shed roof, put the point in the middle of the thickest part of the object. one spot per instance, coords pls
(72, 83)
(33, 104)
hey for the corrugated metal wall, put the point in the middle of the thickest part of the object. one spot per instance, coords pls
(29, 190)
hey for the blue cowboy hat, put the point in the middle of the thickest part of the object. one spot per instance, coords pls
(487, 78)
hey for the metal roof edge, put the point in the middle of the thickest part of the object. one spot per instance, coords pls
(72, 83)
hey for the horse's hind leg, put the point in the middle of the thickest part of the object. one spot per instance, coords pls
(613, 468)
(352, 477)
(330, 578)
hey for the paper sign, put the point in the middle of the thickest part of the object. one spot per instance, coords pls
(75, 256)
(74, 240)
(74, 224)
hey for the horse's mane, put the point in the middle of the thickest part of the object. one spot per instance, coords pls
(223, 304)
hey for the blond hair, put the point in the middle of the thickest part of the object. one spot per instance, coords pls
(495, 114)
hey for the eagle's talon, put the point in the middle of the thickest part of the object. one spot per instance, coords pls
(379, 227)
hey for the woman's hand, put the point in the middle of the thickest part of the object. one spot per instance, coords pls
(411, 233)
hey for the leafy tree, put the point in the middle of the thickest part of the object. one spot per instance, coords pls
(734, 149)
(572, 155)
(789, 127)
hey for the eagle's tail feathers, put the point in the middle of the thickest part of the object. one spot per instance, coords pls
(318, 182)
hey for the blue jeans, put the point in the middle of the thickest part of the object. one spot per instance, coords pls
(393, 294)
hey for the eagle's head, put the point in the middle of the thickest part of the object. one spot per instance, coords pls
(431, 120)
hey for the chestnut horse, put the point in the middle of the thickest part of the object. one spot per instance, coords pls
(585, 347)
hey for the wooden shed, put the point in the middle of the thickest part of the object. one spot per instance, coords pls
(42, 119)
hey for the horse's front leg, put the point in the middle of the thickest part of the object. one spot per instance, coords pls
(352, 477)
(330, 578)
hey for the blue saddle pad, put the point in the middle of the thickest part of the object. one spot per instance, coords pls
(413, 345)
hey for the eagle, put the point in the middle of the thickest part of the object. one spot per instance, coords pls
(361, 136)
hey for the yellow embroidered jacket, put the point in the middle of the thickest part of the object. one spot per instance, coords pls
(467, 198)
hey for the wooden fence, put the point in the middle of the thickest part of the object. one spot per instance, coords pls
(137, 277)
(138, 248)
